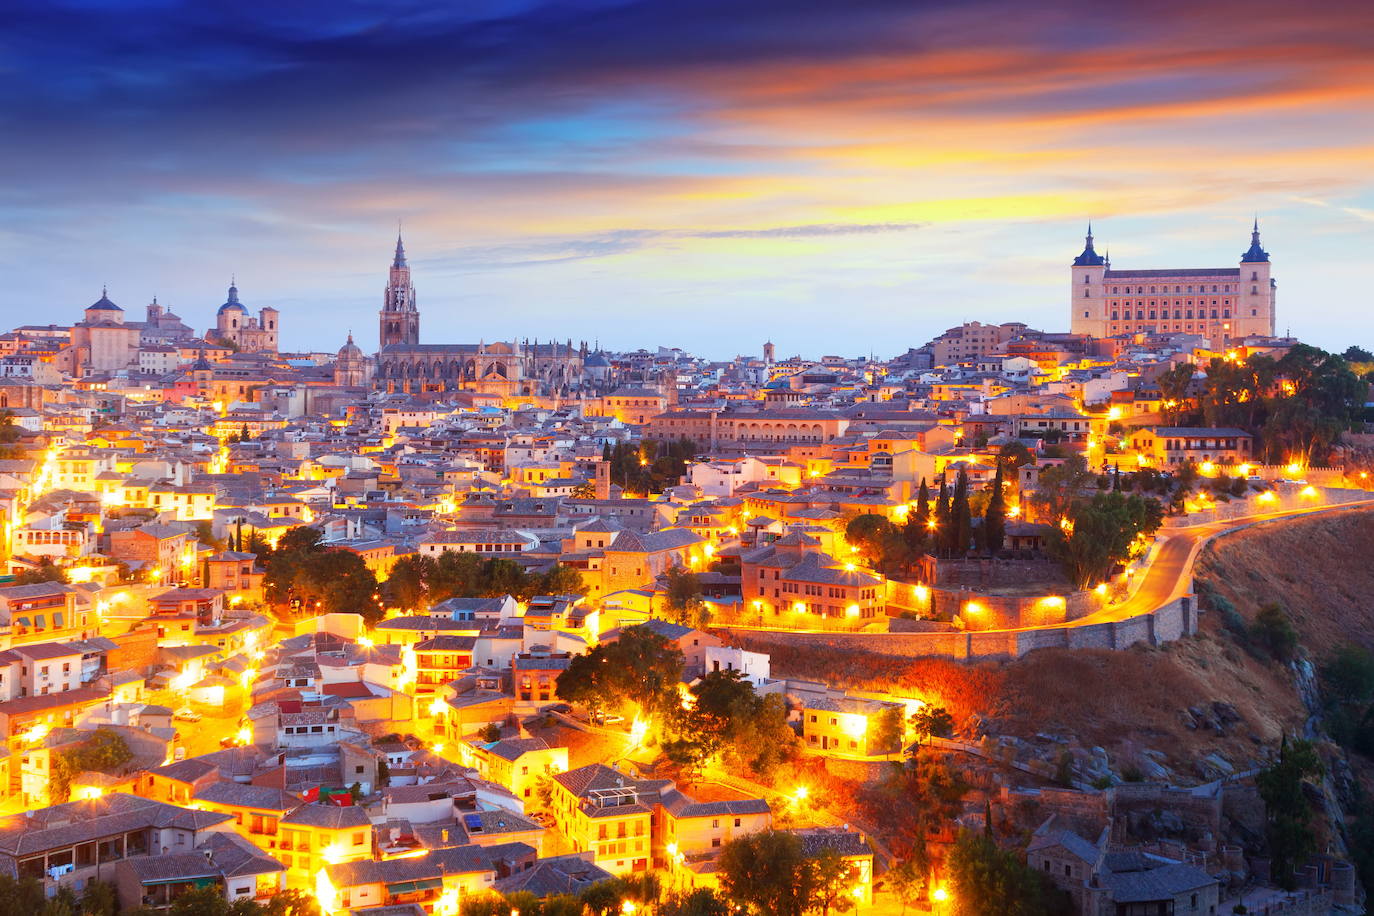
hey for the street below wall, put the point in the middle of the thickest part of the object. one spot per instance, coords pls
(1159, 608)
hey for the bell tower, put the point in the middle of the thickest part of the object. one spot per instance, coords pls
(399, 319)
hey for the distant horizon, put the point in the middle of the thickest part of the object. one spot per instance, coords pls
(851, 178)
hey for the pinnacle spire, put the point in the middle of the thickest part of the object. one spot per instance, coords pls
(1089, 257)
(400, 259)
(1256, 252)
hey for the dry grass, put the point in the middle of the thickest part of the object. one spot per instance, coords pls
(1318, 568)
(1138, 697)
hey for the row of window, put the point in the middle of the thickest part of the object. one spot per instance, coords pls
(1140, 290)
(1178, 314)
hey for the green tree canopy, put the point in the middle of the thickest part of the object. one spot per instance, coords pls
(990, 881)
(1100, 534)
(1287, 812)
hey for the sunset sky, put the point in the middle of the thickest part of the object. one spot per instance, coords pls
(842, 177)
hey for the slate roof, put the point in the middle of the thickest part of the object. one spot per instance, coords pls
(514, 748)
(329, 817)
(844, 842)
(94, 819)
(243, 795)
(568, 874)
(1163, 883)
(434, 863)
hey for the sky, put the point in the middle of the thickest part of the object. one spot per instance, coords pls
(839, 177)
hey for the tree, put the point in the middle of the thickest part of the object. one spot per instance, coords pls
(915, 527)
(831, 878)
(45, 571)
(601, 898)
(21, 896)
(292, 903)
(907, 882)
(1060, 488)
(99, 899)
(942, 518)
(1273, 629)
(1173, 389)
(932, 721)
(1287, 812)
(995, 519)
(767, 874)
(584, 490)
(1349, 675)
(1098, 535)
(640, 666)
(205, 534)
(961, 520)
(202, 901)
(683, 597)
(727, 717)
(887, 735)
(990, 881)
(911, 799)
(105, 751)
(1355, 354)
(700, 902)
(882, 545)
(405, 586)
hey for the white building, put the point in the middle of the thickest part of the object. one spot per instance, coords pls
(754, 665)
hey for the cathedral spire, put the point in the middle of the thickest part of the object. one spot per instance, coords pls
(400, 260)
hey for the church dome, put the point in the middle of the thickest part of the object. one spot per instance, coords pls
(350, 350)
(233, 304)
(103, 304)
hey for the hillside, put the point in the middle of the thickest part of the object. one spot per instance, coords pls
(1321, 569)
(1149, 699)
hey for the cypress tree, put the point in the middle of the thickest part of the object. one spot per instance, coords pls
(914, 531)
(995, 519)
(923, 506)
(962, 521)
(943, 535)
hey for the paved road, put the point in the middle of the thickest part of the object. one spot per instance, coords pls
(1170, 575)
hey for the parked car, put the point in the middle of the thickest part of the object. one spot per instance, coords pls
(611, 719)
(186, 714)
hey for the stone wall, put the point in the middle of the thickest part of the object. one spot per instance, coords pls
(977, 611)
(1162, 625)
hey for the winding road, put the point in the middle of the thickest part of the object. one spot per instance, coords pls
(1170, 574)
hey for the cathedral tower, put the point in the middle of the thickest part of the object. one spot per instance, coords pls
(399, 319)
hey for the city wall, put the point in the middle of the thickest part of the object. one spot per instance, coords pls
(1170, 622)
(978, 611)
(1011, 628)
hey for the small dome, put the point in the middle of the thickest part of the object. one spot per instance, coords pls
(596, 361)
(350, 350)
(232, 304)
(104, 304)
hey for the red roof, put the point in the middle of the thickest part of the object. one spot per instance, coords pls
(349, 690)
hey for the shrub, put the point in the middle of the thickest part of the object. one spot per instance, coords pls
(1273, 630)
